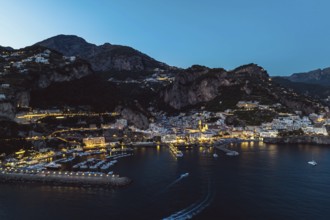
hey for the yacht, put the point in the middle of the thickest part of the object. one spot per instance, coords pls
(312, 162)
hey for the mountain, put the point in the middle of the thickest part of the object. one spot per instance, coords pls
(59, 72)
(6, 48)
(106, 57)
(319, 77)
(218, 89)
(307, 89)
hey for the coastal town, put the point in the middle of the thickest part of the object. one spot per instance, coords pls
(75, 146)
(73, 143)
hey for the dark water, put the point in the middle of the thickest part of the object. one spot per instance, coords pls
(263, 182)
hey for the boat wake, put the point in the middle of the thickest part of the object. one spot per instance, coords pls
(174, 182)
(194, 208)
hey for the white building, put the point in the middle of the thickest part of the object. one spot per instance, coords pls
(270, 133)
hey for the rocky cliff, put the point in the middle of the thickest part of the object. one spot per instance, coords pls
(65, 74)
(104, 57)
(134, 117)
(220, 89)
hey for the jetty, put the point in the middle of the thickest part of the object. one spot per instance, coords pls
(82, 179)
(228, 152)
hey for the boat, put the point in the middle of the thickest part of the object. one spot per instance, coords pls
(179, 153)
(232, 153)
(312, 162)
(108, 165)
(215, 155)
(84, 167)
(184, 175)
(53, 166)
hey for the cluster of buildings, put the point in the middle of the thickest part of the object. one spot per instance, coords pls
(16, 61)
(196, 126)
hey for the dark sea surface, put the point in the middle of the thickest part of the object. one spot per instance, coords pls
(263, 182)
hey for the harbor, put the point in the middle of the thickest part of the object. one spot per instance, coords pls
(90, 168)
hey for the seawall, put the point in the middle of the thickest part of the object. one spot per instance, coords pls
(93, 180)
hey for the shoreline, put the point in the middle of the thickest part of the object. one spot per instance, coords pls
(322, 140)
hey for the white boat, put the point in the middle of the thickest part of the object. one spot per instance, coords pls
(84, 167)
(232, 153)
(53, 165)
(179, 153)
(108, 165)
(184, 175)
(312, 162)
(215, 155)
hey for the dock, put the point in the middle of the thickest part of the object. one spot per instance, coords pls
(82, 179)
(228, 152)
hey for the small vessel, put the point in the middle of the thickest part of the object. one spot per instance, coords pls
(312, 162)
(215, 155)
(53, 166)
(232, 153)
(179, 153)
(184, 175)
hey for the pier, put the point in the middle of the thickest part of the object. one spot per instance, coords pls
(83, 179)
(228, 152)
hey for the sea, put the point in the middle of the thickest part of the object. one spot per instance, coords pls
(265, 181)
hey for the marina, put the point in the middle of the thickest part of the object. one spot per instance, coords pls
(76, 168)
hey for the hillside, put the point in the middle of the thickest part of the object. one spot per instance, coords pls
(32, 68)
(62, 75)
(106, 57)
(218, 89)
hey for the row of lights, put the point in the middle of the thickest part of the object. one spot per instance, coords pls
(59, 173)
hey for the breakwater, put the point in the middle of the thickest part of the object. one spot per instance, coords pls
(81, 179)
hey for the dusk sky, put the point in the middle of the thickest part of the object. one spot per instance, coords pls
(283, 36)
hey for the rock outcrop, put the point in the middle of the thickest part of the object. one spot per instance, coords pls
(200, 85)
(63, 75)
(134, 117)
(7, 110)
